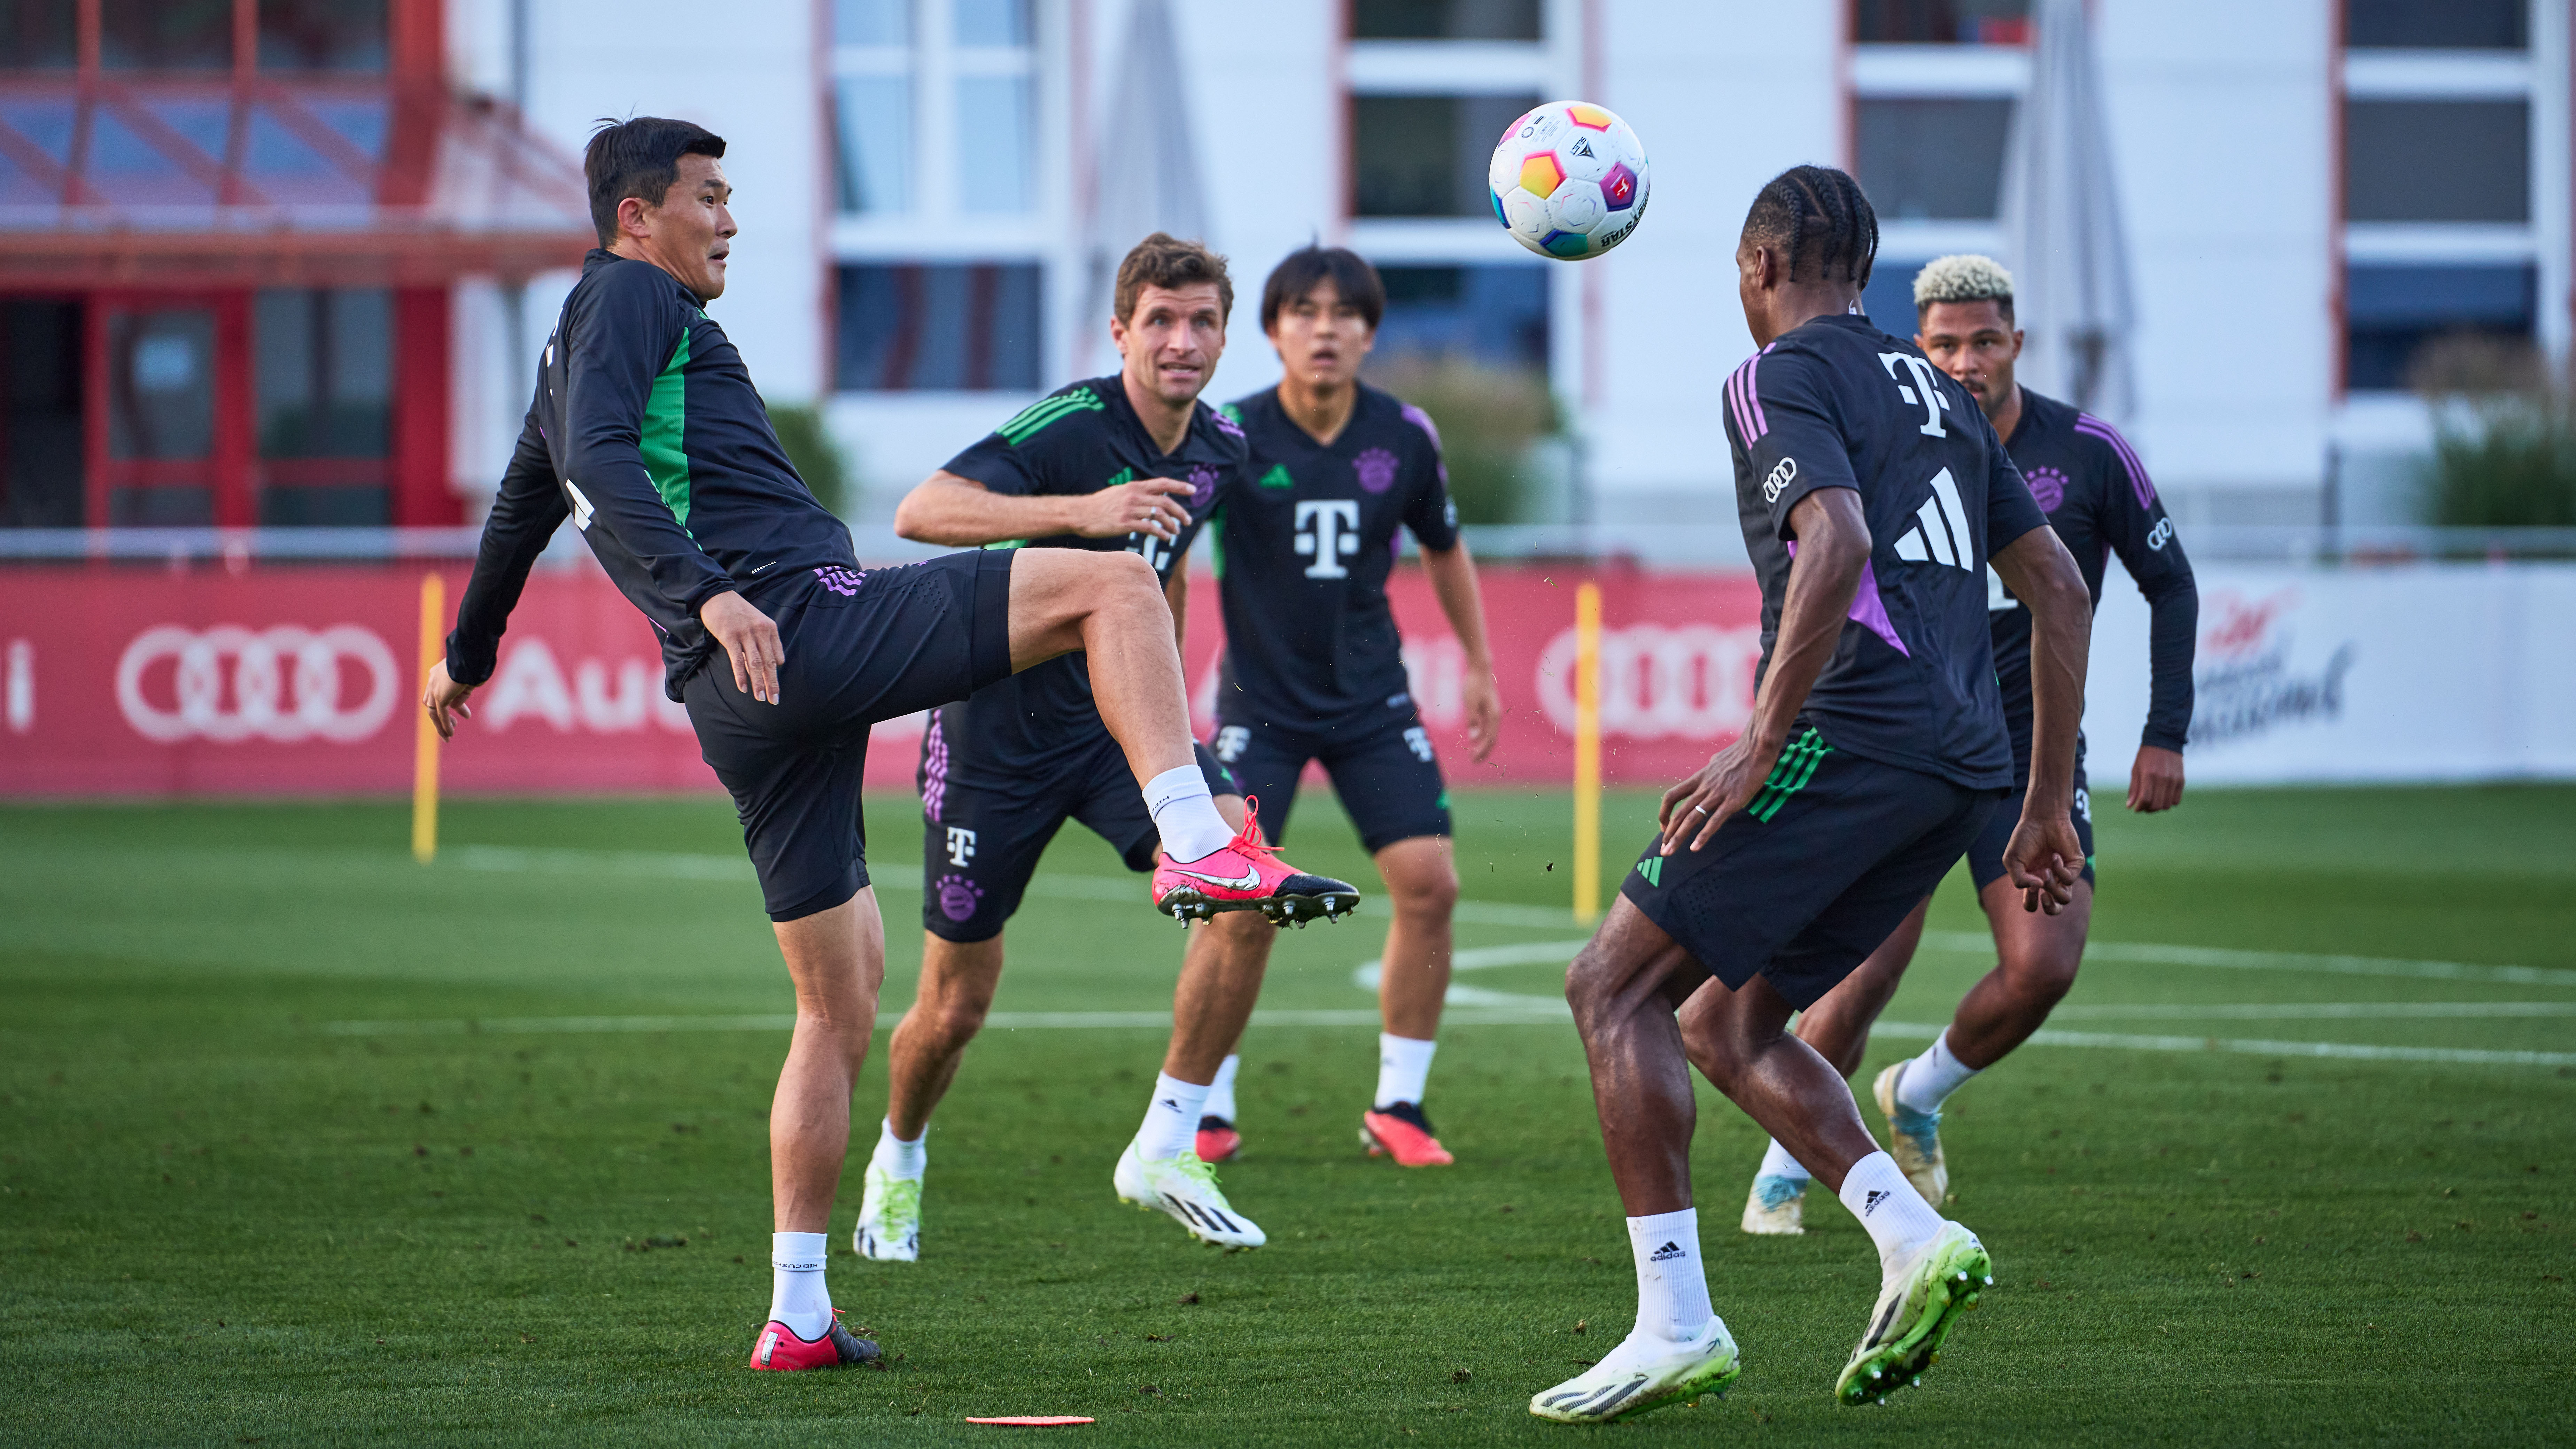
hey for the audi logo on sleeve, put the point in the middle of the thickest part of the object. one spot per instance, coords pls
(285, 684)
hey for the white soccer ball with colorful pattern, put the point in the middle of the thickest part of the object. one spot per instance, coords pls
(1569, 180)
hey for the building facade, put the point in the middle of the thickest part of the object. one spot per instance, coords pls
(2313, 190)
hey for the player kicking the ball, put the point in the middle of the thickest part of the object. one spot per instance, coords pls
(1305, 540)
(647, 433)
(1128, 462)
(1873, 493)
(2099, 501)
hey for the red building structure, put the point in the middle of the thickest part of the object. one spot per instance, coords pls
(229, 234)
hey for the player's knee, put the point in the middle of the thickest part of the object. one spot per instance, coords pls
(1427, 895)
(2042, 978)
(1588, 987)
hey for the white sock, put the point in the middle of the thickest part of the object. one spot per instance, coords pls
(1182, 810)
(1672, 1282)
(1171, 1119)
(797, 1297)
(900, 1159)
(1930, 1078)
(1220, 1097)
(1776, 1162)
(1898, 1219)
(1403, 1065)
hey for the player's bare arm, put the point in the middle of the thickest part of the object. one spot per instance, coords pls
(1453, 582)
(955, 512)
(1833, 547)
(2045, 858)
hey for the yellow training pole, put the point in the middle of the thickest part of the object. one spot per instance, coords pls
(1587, 752)
(424, 759)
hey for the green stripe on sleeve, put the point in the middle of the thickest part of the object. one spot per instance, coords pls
(666, 419)
(1039, 415)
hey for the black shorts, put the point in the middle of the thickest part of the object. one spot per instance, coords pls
(1803, 884)
(983, 829)
(860, 648)
(1381, 765)
(1986, 852)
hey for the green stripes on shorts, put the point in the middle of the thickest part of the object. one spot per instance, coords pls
(1797, 766)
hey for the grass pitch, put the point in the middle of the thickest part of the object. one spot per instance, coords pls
(301, 1142)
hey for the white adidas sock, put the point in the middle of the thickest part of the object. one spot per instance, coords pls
(1929, 1079)
(1220, 1097)
(1776, 1162)
(1171, 1119)
(797, 1296)
(1403, 1065)
(1898, 1219)
(900, 1159)
(1182, 810)
(1672, 1282)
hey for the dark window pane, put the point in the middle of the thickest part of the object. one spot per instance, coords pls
(2436, 24)
(161, 384)
(1426, 155)
(1889, 297)
(322, 35)
(39, 34)
(1924, 160)
(1941, 22)
(335, 506)
(2391, 312)
(938, 328)
(2437, 161)
(1494, 314)
(166, 34)
(324, 364)
(1445, 20)
(173, 506)
(41, 461)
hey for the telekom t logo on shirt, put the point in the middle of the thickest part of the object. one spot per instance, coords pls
(1328, 531)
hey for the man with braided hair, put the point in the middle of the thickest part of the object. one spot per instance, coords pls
(1873, 494)
(2100, 502)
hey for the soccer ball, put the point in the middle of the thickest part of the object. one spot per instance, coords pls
(1568, 180)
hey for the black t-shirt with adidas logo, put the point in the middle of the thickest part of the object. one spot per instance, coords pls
(1304, 543)
(1836, 403)
(1080, 439)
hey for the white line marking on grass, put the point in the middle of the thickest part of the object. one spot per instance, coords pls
(998, 1021)
(2344, 1051)
(2312, 1010)
(1970, 943)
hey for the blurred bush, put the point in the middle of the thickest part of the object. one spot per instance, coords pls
(1489, 419)
(817, 457)
(2504, 437)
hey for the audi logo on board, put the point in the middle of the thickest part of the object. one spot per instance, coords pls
(285, 684)
(1688, 681)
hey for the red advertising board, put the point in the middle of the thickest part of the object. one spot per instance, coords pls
(300, 681)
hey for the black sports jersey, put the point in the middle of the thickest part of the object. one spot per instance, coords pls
(2097, 496)
(1836, 403)
(646, 431)
(1081, 439)
(1305, 541)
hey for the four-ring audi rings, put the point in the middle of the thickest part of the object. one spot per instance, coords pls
(285, 684)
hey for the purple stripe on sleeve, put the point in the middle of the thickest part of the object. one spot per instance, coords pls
(2092, 426)
(1735, 409)
(1753, 392)
(1422, 420)
(1870, 611)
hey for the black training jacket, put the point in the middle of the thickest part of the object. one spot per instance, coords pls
(646, 432)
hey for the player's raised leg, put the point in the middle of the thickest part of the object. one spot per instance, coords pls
(836, 958)
(1421, 878)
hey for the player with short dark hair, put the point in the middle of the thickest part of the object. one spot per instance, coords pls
(1126, 462)
(1306, 538)
(2097, 496)
(646, 432)
(1873, 494)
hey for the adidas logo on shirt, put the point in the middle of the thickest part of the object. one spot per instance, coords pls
(1940, 532)
(1666, 1252)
